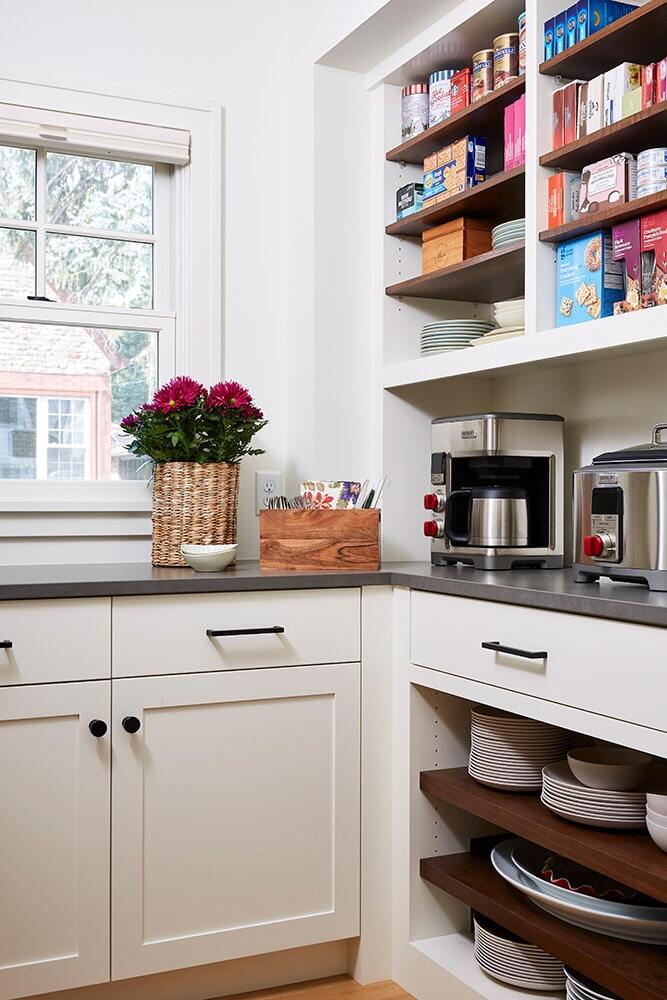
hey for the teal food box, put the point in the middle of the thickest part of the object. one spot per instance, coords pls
(409, 199)
(588, 279)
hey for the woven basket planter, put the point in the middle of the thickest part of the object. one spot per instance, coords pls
(193, 503)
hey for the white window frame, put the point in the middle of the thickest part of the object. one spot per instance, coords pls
(188, 313)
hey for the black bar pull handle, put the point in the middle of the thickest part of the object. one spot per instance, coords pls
(213, 633)
(6, 644)
(528, 654)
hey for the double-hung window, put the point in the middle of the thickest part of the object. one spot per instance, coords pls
(96, 288)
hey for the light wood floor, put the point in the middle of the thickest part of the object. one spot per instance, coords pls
(338, 988)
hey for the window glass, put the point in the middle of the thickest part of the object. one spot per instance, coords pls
(63, 392)
(99, 272)
(102, 194)
(17, 263)
(17, 183)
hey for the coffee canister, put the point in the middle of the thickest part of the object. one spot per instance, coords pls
(482, 73)
(505, 59)
(440, 96)
(522, 43)
(414, 110)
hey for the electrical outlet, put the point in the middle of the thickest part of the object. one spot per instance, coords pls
(267, 485)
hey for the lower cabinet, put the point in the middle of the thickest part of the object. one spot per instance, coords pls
(54, 837)
(235, 824)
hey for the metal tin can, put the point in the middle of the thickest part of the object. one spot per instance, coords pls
(440, 96)
(505, 59)
(482, 73)
(652, 158)
(414, 110)
(522, 43)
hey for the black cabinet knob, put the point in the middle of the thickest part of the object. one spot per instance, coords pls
(131, 724)
(6, 643)
(98, 728)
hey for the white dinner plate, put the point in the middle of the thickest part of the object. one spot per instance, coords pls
(587, 988)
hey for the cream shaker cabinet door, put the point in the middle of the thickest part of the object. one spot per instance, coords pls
(235, 825)
(54, 837)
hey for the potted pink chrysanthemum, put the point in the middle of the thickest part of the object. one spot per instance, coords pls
(196, 437)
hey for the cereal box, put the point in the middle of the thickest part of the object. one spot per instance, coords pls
(588, 280)
(549, 39)
(582, 20)
(625, 240)
(563, 205)
(560, 35)
(653, 243)
(608, 182)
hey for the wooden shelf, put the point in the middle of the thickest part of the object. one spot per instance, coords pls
(631, 858)
(604, 220)
(489, 277)
(499, 199)
(486, 115)
(638, 37)
(641, 131)
(634, 971)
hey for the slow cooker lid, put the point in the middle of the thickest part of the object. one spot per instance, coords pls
(654, 451)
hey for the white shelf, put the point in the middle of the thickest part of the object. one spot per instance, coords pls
(632, 333)
(455, 954)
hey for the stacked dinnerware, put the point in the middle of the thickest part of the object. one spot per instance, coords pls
(510, 321)
(508, 232)
(519, 863)
(510, 959)
(578, 987)
(564, 795)
(509, 752)
(452, 334)
(656, 818)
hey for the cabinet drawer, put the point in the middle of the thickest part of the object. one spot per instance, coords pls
(610, 668)
(65, 640)
(168, 635)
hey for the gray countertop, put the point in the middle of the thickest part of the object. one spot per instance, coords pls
(553, 590)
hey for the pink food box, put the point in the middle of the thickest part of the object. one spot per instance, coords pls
(510, 150)
(608, 182)
(520, 131)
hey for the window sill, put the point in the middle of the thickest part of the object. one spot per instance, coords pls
(53, 497)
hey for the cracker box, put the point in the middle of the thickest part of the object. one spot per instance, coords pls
(648, 86)
(409, 199)
(653, 244)
(595, 99)
(617, 81)
(460, 166)
(608, 182)
(625, 241)
(549, 50)
(563, 205)
(588, 280)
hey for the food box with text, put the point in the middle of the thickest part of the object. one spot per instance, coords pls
(653, 239)
(588, 280)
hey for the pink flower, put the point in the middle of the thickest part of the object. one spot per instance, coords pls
(129, 422)
(230, 396)
(178, 394)
(320, 501)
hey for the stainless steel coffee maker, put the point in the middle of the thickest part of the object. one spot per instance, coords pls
(496, 498)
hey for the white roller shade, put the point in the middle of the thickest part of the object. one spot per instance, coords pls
(101, 136)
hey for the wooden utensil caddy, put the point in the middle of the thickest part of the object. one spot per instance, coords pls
(319, 539)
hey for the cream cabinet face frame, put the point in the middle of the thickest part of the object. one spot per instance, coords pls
(54, 838)
(235, 824)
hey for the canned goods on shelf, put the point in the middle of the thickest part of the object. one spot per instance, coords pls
(505, 59)
(414, 110)
(440, 96)
(522, 43)
(482, 73)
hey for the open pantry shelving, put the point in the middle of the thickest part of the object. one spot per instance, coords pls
(486, 278)
(605, 219)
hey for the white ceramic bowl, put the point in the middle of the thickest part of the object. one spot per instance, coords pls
(657, 802)
(656, 819)
(615, 769)
(208, 558)
(658, 834)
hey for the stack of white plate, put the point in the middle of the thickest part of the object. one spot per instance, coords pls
(568, 798)
(508, 232)
(578, 987)
(646, 924)
(452, 334)
(508, 752)
(511, 960)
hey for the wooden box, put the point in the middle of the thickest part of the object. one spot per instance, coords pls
(453, 242)
(319, 539)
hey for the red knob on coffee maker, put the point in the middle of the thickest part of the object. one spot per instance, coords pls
(431, 529)
(430, 501)
(593, 546)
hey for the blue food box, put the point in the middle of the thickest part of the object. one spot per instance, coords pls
(409, 199)
(571, 26)
(461, 165)
(549, 26)
(588, 279)
(582, 20)
(560, 35)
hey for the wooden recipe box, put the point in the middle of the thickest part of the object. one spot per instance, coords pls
(319, 539)
(454, 242)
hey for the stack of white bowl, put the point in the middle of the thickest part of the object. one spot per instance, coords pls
(656, 818)
(508, 752)
(514, 961)
(510, 321)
